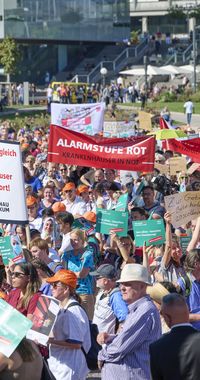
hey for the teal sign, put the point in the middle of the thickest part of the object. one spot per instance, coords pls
(122, 204)
(111, 220)
(150, 231)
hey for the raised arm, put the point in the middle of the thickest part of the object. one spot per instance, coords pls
(168, 245)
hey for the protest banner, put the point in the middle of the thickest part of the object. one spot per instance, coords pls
(73, 148)
(150, 231)
(145, 120)
(84, 118)
(184, 241)
(122, 203)
(11, 249)
(189, 148)
(43, 319)
(119, 128)
(183, 206)
(84, 225)
(112, 221)
(12, 193)
(13, 328)
(177, 164)
(163, 168)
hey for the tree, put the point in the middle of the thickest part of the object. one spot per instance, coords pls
(9, 56)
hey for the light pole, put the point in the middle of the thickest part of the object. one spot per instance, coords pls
(103, 72)
(194, 43)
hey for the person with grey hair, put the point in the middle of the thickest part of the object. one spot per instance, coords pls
(189, 285)
(175, 356)
(126, 355)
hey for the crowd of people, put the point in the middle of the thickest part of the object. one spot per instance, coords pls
(132, 294)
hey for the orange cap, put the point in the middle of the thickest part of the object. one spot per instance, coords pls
(82, 189)
(2, 295)
(58, 207)
(90, 216)
(30, 200)
(69, 186)
(65, 276)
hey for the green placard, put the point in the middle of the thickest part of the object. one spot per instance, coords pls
(111, 220)
(184, 241)
(6, 249)
(13, 328)
(150, 231)
(122, 203)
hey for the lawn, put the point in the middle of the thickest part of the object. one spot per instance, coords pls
(173, 106)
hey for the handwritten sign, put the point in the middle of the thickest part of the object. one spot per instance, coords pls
(119, 128)
(193, 168)
(145, 120)
(183, 206)
(163, 169)
(177, 164)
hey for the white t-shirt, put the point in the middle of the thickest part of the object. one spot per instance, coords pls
(188, 106)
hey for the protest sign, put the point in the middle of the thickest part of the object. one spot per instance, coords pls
(189, 148)
(112, 221)
(85, 118)
(145, 120)
(193, 168)
(73, 148)
(184, 241)
(183, 206)
(12, 193)
(11, 249)
(177, 164)
(150, 231)
(119, 128)
(84, 225)
(163, 168)
(43, 319)
(122, 203)
(13, 328)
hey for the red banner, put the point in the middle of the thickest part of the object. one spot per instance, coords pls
(73, 148)
(190, 148)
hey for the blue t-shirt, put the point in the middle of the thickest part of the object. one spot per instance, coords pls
(35, 183)
(193, 300)
(118, 305)
(76, 264)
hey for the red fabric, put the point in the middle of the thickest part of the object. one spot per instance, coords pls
(13, 298)
(73, 148)
(190, 148)
(163, 123)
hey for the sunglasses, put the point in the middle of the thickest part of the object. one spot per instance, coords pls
(17, 274)
(56, 285)
(63, 170)
(68, 191)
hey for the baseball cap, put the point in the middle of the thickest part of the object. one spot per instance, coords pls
(134, 272)
(30, 200)
(105, 270)
(90, 216)
(65, 276)
(82, 189)
(69, 186)
(58, 207)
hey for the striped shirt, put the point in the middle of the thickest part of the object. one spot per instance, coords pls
(127, 356)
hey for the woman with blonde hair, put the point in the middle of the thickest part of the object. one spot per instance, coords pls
(80, 260)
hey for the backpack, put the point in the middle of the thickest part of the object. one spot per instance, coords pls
(187, 283)
(92, 355)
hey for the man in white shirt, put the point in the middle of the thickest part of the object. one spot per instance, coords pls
(189, 109)
(65, 221)
(72, 202)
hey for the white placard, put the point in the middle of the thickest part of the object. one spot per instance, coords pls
(12, 193)
(83, 118)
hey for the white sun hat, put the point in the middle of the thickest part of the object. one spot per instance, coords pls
(134, 272)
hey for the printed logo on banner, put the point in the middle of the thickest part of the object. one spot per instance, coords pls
(84, 118)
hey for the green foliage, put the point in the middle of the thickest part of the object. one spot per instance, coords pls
(181, 12)
(9, 55)
(168, 97)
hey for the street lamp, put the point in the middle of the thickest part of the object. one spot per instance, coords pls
(103, 72)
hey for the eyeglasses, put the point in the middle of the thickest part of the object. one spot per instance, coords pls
(68, 191)
(17, 274)
(56, 285)
(63, 170)
(31, 207)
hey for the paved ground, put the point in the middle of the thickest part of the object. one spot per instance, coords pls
(94, 375)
